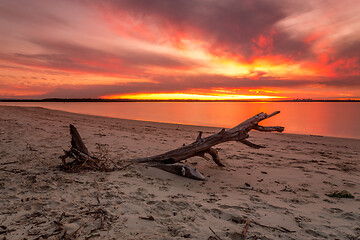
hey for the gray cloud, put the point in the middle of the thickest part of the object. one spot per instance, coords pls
(76, 58)
(231, 26)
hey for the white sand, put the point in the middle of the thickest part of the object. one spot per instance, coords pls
(288, 182)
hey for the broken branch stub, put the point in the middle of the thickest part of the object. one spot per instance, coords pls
(81, 159)
(76, 141)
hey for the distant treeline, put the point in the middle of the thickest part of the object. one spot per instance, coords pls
(169, 100)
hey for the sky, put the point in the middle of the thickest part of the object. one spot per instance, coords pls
(180, 49)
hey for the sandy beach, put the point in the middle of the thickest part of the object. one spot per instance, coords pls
(281, 190)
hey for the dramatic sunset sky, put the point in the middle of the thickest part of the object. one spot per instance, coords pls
(180, 49)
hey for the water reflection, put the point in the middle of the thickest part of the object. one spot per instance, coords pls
(327, 119)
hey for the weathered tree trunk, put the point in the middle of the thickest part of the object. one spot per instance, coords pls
(199, 147)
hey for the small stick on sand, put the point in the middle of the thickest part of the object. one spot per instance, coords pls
(150, 218)
(219, 238)
(73, 234)
(9, 163)
(246, 227)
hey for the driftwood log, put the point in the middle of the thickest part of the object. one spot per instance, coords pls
(168, 161)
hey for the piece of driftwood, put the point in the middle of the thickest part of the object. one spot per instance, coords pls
(168, 161)
(81, 158)
(180, 169)
(201, 146)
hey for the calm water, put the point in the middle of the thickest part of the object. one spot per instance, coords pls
(327, 119)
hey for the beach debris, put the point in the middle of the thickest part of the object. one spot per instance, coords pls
(82, 160)
(216, 236)
(105, 217)
(169, 161)
(181, 169)
(338, 194)
(202, 146)
(6, 163)
(246, 227)
(242, 235)
(73, 234)
(150, 218)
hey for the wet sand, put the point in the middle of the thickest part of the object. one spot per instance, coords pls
(281, 189)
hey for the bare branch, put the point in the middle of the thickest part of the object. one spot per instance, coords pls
(198, 139)
(269, 129)
(215, 156)
(250, 144)
(273, 114)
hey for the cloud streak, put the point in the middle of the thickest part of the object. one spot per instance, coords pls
(186, 85)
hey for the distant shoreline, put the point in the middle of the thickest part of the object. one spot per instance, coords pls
(167, 100)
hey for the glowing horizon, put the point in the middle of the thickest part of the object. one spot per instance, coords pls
(187, 96)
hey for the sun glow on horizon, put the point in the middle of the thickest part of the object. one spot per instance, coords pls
(190, 96)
